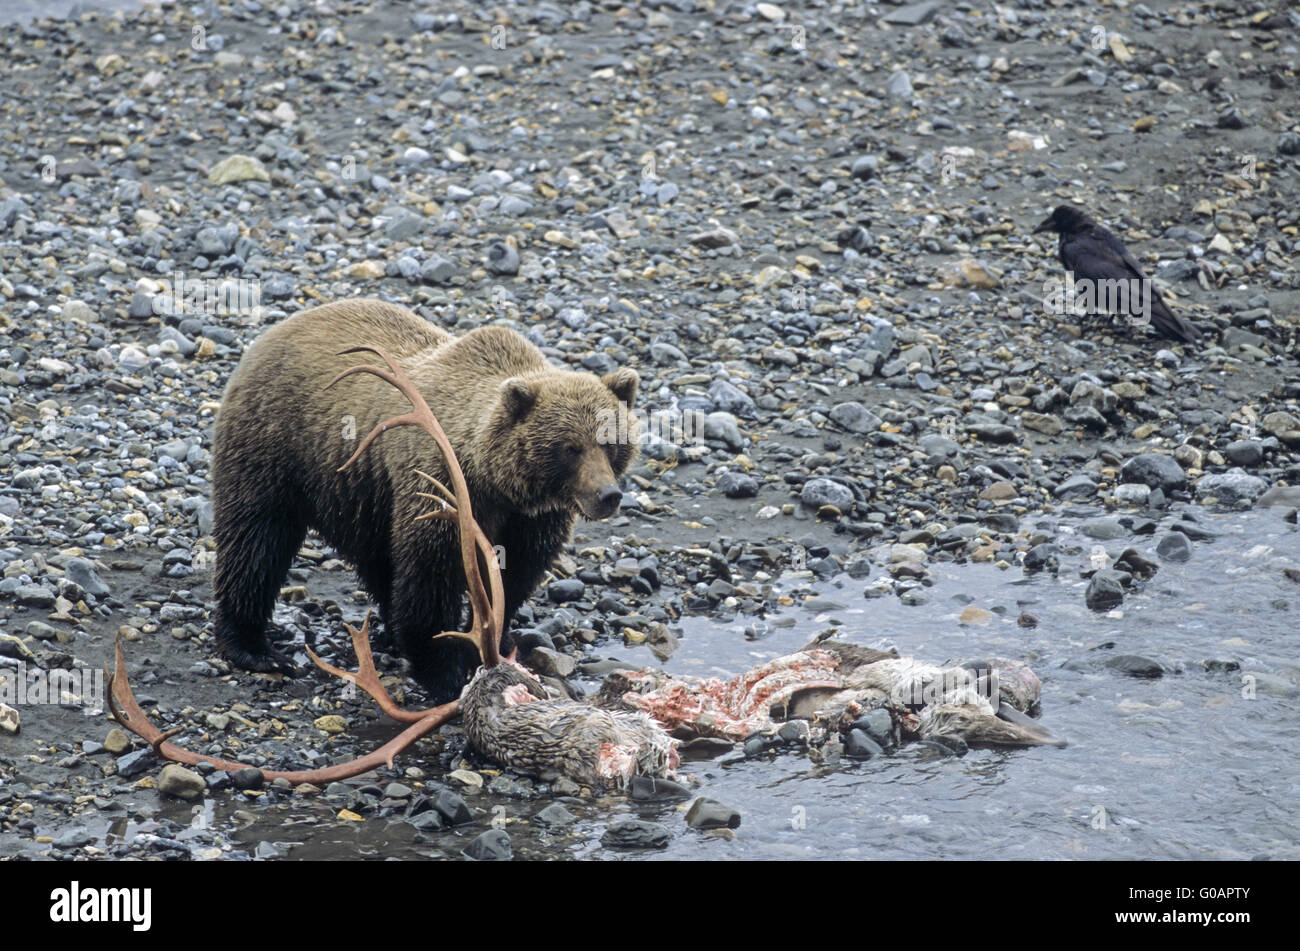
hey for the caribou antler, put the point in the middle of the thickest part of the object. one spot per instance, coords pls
(487, 603)
(487, 607)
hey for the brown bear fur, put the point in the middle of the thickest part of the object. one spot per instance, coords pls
(527, 436)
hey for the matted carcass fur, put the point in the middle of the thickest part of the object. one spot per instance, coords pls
(509, 717)
(833, 683)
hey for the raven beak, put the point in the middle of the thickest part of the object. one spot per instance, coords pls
(1045, 226)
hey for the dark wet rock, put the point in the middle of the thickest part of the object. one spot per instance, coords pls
(491, 846)
(1105, 590)
(34, 595)
(568, 589)
(1154, 469)
(1174, 547)
(134, 764)
(737, 485)
(248, 778)
(1245, 452)
(451, 807)
(706, 813)
(1136, 666)
(1136, 564)
(74, 839)
(878, 725)
(857, 745)
(1192, 530)
(1103, 528)
(635, 834)
(653, 789)
(548, 662)
(1041, 557)
(555, 816)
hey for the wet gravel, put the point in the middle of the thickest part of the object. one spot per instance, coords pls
(806, 227)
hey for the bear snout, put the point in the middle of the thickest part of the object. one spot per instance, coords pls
(602, 503)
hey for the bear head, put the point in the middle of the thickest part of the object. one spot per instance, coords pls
(563, 439)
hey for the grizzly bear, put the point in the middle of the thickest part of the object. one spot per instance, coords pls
(528, 437)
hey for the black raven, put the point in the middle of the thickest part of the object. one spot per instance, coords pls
(1093, 254)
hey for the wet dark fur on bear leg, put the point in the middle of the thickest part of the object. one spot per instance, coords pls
(247, 583)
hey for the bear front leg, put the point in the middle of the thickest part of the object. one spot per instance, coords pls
(525, 549)
(428, 593)
(253, 557)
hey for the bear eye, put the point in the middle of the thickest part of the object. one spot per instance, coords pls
(573, 451)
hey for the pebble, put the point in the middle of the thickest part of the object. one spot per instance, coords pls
(635, 834)
(1105, 591)
(706, 813)
(490, 846)
(176, 780)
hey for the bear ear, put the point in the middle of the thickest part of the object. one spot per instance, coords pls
(518, 396)
(623, 383)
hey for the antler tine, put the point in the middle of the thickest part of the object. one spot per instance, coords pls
(366, 677)
(487, 607)
(446, 493)
(126, 711)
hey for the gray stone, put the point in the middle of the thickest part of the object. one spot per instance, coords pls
(899, 85)
(34, 595)
(133, 764)
(1136, 666)
(855, 417)
(737, 485)
(403, 225)
(1154, 469)
(1174, 547)
(567, 589)
(724, 428)
(1078, 486)
(1244, 452)
(728, 398)
(176, 780)
(437, 270)
(1103, 528)
(706, 813)
(1105, 591)
(819, 492)
(1288, 495)
(555, 815)
(1231, 487)
(636, 834)
(492, 846)
(551, 663)
(502, 259)
(857, 745)
(81, 572)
